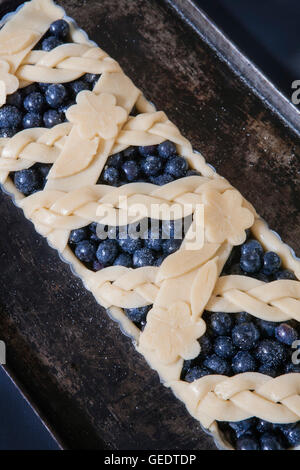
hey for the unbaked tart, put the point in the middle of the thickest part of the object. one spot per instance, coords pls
(217, 316)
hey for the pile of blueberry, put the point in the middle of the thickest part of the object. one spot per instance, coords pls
(237, 343)
(157, 164)
(41, 105)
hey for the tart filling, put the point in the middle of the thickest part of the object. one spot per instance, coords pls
(80, 146)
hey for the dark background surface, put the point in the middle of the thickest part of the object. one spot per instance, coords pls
(74, 362)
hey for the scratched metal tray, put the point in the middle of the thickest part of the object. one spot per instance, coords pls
(78, 369)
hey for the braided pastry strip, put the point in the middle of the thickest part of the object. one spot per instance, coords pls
(218, 398)
(274, 301)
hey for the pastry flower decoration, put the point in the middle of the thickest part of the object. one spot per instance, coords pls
(8, 82)
(172, 333)
(225, 218)
(96, 115)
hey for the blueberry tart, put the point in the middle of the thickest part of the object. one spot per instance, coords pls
(209, 293)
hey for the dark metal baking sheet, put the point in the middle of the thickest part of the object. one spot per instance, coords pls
(76, 365)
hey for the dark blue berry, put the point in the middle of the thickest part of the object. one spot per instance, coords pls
(78, 235)
(271, 263)
(205, 345)
(10, 116)
(111, 176)
(107, 252)
(130, 245)
(160, 260)
(16, 99)
(44, 169)
(243, 317)
(177, 167)
(250, 263)
(130, 170)
(32, 120)
(245, 335)
(65, 106)
(60, 29)
(196, 373)
(34, 102)
(151, 165)
(52, 118)
(269, 441)
(193, 173)
(137, 314)
(91, 78)
(44, 86)
(143, 257)
(130, 153)
(115, 160)
(123, 259)
(286, 334)
(153, 243)
(148, 150)
(267, 327)
(263, 426)
(247, 443)
(166, 149)
(56, 95)
(221, 323)
(27, 181)
(241, 427)
(292, 434)
(78, 86)
(85, 251)
(51, 43)
(160, 180)
(292, 368)
(243, 362)
(7, 132)
(271, 353)
(29, 89)
(168, 229)
(224, 347)
(170, 246)
(285, 274)
(267, 370)
(217, 364)
(250, 247)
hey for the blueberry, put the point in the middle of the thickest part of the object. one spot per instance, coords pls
(65, 106)
(205, 345)
(177, 167)
(115, 160)
(292, 434)
(130, 245)
(143, 257)
(78, 86)
(221, 323)
(130, 153)
(285, 274)
(151, 165)
(51, 43)
(107, 252)
(263, 426)
(243, 362)
(85, 251)
(267, 370)
(34, 102)
(196, 373)
(269, 441)
(166, 149)
(27, 181)
(160, 180)
(29, 89)
(271, 353)
(153, 243)
(292, 368)
(44, 169)
(250, 263)
(245, 335)
(168, 229)
(52, 118)
(15, 99)
(60, 29)
(78, 235)
(44, 86)
(286, 334)
(250, 247)
(271, 263)
(193, 173)
(217, 364)
(170, 246)
(160, 260)
(262, 277)
(224, 347)
(148, 150)
(91, 78)
(111, 176)
(130, 170)
(241, 427)
(243, 317)
(267, 327)
(123, 260)
(247, 443)
(7, 132)
(97, 266)
(56, 95)
(137, 314)
(31, 120)
(10, 116)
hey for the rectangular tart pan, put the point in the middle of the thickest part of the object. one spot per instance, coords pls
(77, 367)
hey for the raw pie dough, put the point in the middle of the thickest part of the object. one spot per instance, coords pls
(188, 281)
